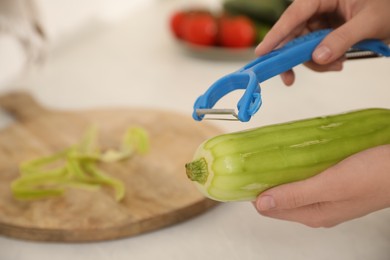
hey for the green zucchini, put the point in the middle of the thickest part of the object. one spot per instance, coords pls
(239, 166)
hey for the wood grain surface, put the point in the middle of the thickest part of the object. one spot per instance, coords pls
(158, 193)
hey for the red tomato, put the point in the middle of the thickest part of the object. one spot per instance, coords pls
(176, 23)
(236, 32)
(200, 29)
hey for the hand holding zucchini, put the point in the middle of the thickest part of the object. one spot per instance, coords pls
(239, 166)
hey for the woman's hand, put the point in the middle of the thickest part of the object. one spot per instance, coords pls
(353, 20)
(353, 188)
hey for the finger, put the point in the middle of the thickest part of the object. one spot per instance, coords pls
(288, 77)
(340, 40)
(322, 187)
(324, 214)
(314, 215)
(291, 21)
(264, 47)
(334, 66)
(292, 195)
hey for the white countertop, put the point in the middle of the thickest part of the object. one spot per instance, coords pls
(137, 63)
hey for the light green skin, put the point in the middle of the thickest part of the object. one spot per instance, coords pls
(239, 166)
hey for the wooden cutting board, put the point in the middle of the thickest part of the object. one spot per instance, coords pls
(158, 193)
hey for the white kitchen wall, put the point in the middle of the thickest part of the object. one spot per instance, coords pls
(60, 20)
(64, 17)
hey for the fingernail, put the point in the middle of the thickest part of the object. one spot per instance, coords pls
(266, 203)
(322, 53)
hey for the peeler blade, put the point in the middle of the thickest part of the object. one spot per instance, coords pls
(217, 114)
(359, 54)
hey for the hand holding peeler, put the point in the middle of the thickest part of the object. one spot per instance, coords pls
(264, 67)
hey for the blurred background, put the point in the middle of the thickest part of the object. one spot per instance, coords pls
(31, 29)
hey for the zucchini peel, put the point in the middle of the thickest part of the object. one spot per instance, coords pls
(77, 167)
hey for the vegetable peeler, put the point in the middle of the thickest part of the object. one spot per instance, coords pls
(264, 67)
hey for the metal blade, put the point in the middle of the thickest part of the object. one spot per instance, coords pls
(218, 114)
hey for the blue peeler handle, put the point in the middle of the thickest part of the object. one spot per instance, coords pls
(264, 67)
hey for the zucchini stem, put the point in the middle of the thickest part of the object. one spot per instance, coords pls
(197, 170)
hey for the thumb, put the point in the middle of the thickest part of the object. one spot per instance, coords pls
(293, 195)
(334, 46)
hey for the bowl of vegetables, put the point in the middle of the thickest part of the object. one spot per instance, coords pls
(232, 32)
